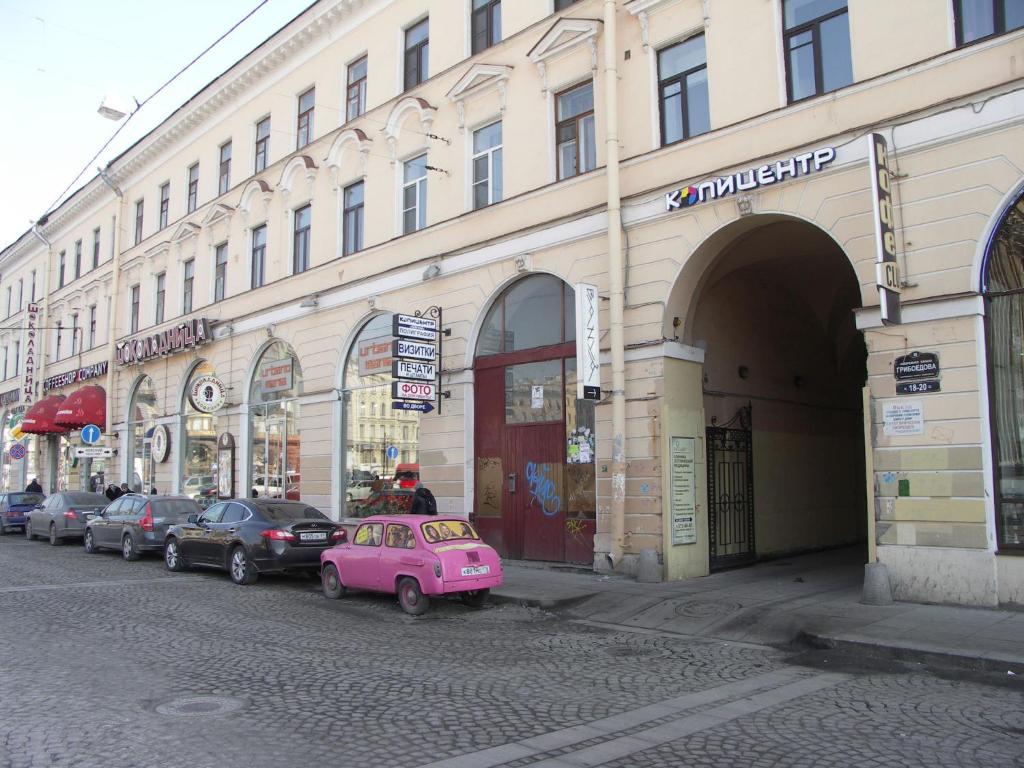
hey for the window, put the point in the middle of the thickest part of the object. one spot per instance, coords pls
(300, 242)
(220, 271)
(78, 259)
(352, 219)
(304, 128)
(8, 314)
(683, 90)
(17, 358)
(400, 537)
(355, 94)
(487, 165)
(193, 187)
(417, 50)
(369, 535)
(165, 203)
(95, 247)
(60, 336)
(74, 335)
(60, 269)
(485, 23)
(561, 5)
(21, 295)
(574, 131)
(978, 19)
(32, 292)
(259, 255)
(262, 144)
(92, 326)
(817, 44)
(133, 321)
(224, 179)
(139, 205)
(189, 273)
(161, 296)
(414, 194)
(5, 363)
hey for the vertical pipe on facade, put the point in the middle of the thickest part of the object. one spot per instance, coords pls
(115, 273)
(616, 289)
(39, 374)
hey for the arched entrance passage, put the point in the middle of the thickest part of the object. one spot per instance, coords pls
(780, 391)
(535, 494)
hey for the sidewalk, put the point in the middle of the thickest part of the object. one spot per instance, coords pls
(813, 599)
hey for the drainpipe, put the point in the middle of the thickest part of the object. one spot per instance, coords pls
(42, 336)
(616, 289)
(115, 275)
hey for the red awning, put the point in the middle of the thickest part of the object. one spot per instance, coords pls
(87, 405)
(39, 420)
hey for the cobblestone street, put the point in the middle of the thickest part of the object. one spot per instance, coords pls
(124, 664)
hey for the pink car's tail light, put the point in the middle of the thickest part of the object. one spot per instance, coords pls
(339, 535)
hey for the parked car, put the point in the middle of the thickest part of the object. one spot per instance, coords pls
(194, 483)
(135, 523)
(406, 476)
(359, 490)
(388, 501)
(415, 556)
(247, 537)
(14, 509)
(63, 515)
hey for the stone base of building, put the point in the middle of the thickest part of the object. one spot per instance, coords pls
(943, 575)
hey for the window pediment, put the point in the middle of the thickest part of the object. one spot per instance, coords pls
(565, 36)
(358, 140)
(299, 165)
(216, 213)
(183, 232)
(480, 79)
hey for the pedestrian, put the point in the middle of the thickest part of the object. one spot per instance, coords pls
(255, 493)
(152, 491)
(124, 489)
(112, 492)
(423, 501)
(34, 486)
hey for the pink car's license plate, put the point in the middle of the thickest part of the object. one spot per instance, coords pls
(476, 570)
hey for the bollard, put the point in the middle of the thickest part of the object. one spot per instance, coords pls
(648, 570)
(877, 590)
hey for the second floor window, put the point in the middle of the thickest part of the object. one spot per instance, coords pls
(224, 178)
(139, 205)
(417, 54)
(817, 44)
(74, 335)
(92, 326)
(220, 273)
(78, 259)
(32, 287)
(300, 240)
(187, 282)
(161, 297)
(193, 188)
(95, 247)
(978, 19)
(259, 255)
(304, 128)
(17, 358)
(486, 24)
(21, 295)
(574, 131)
(414, 194)
(60, 336)
(133, 320)
(60, 269)
(683, 90)
(165, 204)
(487, 165)
(352, 219)
(355, 93)
(262, 144)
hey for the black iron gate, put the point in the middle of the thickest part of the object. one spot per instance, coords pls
(731, 492)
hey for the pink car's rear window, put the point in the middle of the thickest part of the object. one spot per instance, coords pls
(447, 530)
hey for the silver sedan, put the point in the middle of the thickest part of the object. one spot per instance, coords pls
(63, 515)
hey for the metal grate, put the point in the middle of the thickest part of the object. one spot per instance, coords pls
(731, 492)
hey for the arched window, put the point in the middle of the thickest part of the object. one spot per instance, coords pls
(141, 422)
(274, 423)
(537, 311)
(199, 444)
(1004, 299)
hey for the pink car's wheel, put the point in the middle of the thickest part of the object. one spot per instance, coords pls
(475, 598)
(331, 582)
(411, 597)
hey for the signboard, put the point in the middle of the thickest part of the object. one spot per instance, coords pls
(28, 382)
(18, 451)
(917, 387)
(413, 327)
(588, 339)
(392, 452)
(187, 335)
(161, 443)
(10, 397)
(91, 434)
(406, 349)
(374, 356)
(93, 452)
(683, 499)
(902, 417)
(888, 277)
(275, 376)
(76, 376)
(744, 181)
(226, 466)
(916, 365)
(207, 394)
(413, 369)
(418, 406)
(412, 390)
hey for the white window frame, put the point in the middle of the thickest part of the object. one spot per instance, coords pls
(344, 85)
(471, 156)
(401, 184)
(266, 249)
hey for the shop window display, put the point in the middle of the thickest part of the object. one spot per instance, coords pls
(274, 424)
(199, 445)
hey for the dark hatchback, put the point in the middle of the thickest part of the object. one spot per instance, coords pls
(135, 523)
(14, 509)
(247, 537)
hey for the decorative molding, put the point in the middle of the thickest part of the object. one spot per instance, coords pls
(184, 231)
(480, 79)
(217, 212)
(335, 155)
(253, 190)
(565, 36)
(300, 164)
(393, 128)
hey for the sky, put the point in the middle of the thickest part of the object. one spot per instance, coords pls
(59, 58)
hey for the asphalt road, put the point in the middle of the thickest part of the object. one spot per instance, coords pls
(108, 663)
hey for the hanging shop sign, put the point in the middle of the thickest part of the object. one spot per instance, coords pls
(413, 390)
(413, 365)
(28, 382)
(888, 271)
(413, 369)
(588, 339)
(406, 349)
(73, 377)
(226, 466)
(187, 335)
(374, 356)
(160, 443)
(414, 327)
(10, 397)
(750, 179)
(916, 365)
(275, 376)
(207, 394)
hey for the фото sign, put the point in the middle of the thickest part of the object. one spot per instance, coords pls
(28, 382)
(588, 338)
(888, 277)
(413, 390)
(745, 181)
(186, 335)
(275, 376)
(76, 376)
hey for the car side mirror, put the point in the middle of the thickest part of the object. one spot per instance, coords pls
(193, 519)
(38, 506)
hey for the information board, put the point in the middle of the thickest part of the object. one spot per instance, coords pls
(684, 497)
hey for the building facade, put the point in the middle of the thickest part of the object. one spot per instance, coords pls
(222, 297)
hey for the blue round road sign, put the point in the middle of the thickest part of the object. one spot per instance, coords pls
(18, 451)
(91, 434)
(392, 452)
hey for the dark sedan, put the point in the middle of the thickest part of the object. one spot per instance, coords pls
(14, 509)
(135, 523)
(63, 515)
(247, 537)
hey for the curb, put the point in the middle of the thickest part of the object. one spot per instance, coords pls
(546, 603)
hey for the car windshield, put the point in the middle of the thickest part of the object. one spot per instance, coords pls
(448, 530)
(83, 497)
(177, 508)
(284, 512)
(25, 498)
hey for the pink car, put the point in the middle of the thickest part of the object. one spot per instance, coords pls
(416, 556)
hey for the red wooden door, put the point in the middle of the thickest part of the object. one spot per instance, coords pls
(538, 506)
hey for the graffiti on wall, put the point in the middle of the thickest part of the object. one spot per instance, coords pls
(544, 487)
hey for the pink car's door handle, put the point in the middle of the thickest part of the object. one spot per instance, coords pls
(411, 561)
